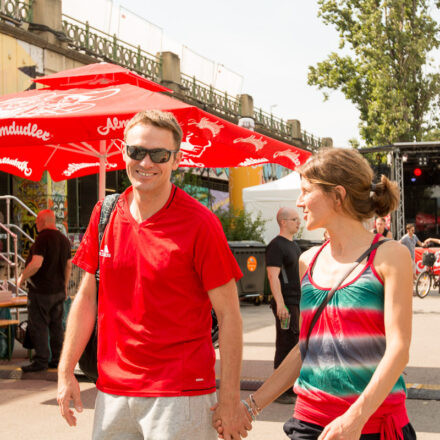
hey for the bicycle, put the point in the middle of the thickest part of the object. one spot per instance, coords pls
(428, 278)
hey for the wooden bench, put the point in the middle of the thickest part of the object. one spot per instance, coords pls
(8, 323)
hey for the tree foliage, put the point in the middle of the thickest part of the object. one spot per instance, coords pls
(238, 225)
(384, 67)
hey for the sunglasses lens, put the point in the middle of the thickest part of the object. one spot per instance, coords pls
(136, 153)
(160, 156)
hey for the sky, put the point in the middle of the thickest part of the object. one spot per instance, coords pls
(270, 44)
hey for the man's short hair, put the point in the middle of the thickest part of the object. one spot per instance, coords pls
(157, 118)
(409, 226)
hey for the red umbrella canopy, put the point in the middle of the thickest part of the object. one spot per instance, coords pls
(69, 132)
(98, 75)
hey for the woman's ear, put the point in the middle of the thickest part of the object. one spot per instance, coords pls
(340, 194)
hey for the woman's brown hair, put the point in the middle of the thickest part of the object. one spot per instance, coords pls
(331, 167)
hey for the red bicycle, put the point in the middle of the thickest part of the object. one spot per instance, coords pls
(428, 279)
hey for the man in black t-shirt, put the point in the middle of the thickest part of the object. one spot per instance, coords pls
(282, 255)
(47, 270)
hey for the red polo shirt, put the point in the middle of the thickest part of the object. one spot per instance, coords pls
(154, 315)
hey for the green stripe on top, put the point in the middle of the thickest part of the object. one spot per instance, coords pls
(364, 294)
(340, 381)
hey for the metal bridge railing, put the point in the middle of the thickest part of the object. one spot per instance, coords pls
(108, 47)
(16, 11)
(83, 37)
(204, 93)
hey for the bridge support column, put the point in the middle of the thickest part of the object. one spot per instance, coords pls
(243, 177)
(170, 70)
(47, 14)
(295, 127)
(327, 142)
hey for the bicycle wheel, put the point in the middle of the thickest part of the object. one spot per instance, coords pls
(423, 284)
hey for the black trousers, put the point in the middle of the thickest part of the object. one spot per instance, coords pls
(297, 430)
(285, 339)
(45, 315)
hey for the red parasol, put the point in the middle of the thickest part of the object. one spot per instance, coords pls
(98, 75)
(72, 133)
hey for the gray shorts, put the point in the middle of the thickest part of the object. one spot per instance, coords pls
(153, 418)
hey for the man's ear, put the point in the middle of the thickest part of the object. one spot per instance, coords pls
(176, 160)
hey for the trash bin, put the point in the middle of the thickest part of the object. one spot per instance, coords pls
(250, 256)
(305, 245)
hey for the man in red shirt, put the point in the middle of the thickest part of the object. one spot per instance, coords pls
(164, 262)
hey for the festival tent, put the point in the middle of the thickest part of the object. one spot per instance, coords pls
(266, 199)
(76, 132)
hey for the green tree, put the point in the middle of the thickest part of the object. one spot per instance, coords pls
(238, 224)
(384, 67)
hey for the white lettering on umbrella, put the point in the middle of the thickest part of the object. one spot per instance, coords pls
(53, 103)
(112, 124)
(30, 130)
(249, 162)
(257, 143)
(74, 167)
(193, 150)
(187, 162)
(294, 157)
(213, 127)
(21, 165)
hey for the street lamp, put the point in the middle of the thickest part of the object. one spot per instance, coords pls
(272, 106)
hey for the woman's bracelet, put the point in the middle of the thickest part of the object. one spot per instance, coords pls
(249, 410)
(254, 405)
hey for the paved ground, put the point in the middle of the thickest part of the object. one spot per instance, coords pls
(28, 408)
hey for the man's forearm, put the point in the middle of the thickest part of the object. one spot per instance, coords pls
(275, 287)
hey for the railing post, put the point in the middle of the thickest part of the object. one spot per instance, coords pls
(115, 48)
(87, 35)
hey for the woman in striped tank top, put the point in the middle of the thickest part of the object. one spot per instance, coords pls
(349, 382)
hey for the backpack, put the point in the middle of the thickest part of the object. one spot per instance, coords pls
(89, 360)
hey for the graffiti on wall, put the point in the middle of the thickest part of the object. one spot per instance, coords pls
(58, 203)
(34, 196)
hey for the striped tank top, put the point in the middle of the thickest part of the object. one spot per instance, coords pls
(345, 347)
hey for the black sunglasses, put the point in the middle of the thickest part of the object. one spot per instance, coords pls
(157, 155)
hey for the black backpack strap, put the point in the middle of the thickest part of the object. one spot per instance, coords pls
(108, 205)
(330, 294)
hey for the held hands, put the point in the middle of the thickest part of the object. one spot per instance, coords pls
(231, 421)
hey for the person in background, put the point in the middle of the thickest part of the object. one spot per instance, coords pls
(282, 255)
(349, 381)
(410, 240)
(47, 270)
(380, 227)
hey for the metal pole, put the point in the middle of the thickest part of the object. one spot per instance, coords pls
(102, 160)
(8, 238)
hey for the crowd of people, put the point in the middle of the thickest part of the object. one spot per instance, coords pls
(342, 310)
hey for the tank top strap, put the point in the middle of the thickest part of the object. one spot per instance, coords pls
(312, 263)
(373, 254)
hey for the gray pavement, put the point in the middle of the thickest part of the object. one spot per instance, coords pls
(28, 408)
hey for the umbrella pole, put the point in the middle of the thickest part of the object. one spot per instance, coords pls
(101, 190)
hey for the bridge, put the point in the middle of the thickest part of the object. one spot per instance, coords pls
(90, 44)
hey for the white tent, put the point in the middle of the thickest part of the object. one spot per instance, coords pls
(269, 197)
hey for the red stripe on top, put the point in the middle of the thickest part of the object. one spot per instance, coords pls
(369, 263)
(388, 420)
(355, 322)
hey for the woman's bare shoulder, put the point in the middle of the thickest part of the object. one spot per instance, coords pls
(307, 256)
